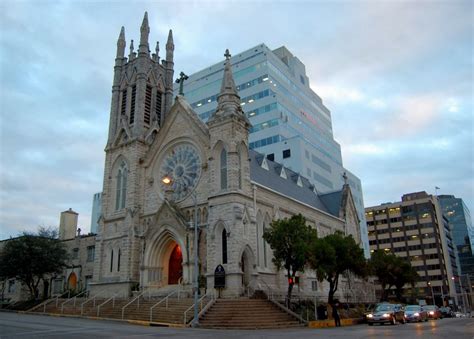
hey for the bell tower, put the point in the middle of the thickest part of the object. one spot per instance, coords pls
(142, 87)
(141, 97)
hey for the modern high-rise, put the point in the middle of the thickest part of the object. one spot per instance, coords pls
(461, 223)
(415, 228)
(290, 123)
(96, 211)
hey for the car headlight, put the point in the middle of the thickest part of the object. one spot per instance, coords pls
(386, 315)
(431, 312)
(416, 314)
(370, 315)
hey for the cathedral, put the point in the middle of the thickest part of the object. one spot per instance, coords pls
(175, 187)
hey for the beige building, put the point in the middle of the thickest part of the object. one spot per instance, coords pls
(415, 228)
(75, 277)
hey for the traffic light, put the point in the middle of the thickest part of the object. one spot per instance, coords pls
(290, 281)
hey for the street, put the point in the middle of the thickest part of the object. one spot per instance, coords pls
(13, 325)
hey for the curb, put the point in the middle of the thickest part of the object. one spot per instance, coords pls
(330, 323)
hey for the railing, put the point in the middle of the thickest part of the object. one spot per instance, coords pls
(93, 299)
(164, 300)
(137, 298)
(272, 297)
(200, 301)
(112, 298)
(84, 293)
(47, 302)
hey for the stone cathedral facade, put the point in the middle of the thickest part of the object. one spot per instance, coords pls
(145, 235)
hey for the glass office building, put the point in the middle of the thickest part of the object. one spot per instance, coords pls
(462, 229)
(290, 123)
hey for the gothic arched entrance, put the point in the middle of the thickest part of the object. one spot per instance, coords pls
(72, 281)
(163, 260)
(175, 266)
(247, 263)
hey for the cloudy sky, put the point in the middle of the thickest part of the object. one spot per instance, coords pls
(396, 75)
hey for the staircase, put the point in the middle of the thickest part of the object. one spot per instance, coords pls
(244, 313)
(170, 312)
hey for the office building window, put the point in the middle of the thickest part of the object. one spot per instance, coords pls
(286, 153)
(271, 156)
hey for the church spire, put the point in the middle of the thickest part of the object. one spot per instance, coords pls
(228, 100)
(121, 44)
(156, 55)
(132, 54)
(143, 48)
(228, 91)
(170, 47)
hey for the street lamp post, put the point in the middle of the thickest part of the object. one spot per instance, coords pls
(196, 282)
(432, 295)
(167, 181)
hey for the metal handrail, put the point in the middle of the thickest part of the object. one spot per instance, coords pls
(93, 298)
(137, 297)
(199, 302)
(75, 298)
(163, 300)
(105, 302)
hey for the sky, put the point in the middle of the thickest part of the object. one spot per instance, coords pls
(397, 77)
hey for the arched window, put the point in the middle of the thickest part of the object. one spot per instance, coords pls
(264, 247)
(111, 260)
(239, 154)
(223, 169)
(121, 188)
(224, 246)
(118, 260)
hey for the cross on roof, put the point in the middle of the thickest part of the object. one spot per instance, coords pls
(344, 176)
(180, 81)
(227, 54)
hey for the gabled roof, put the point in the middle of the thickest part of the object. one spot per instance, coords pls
(332, 201)
(289, 186)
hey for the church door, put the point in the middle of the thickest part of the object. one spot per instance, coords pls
(245, 270)
(175, 268)
(72, 281)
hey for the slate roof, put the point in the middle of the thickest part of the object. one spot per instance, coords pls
(329, 203)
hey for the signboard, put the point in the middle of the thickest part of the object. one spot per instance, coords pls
(219, 277)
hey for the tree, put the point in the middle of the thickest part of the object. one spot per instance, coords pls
(290, 239)
(334, 255)
(31, 257)
(392, 271)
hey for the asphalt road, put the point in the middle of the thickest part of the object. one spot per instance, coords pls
(13, 325)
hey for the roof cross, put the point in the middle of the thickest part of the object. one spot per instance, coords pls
(344, 176)
(227, 54)
(180, 81)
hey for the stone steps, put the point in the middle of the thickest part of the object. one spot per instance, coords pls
(246, 314)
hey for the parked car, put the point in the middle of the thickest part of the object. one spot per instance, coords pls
(415, 313)
(386, 313)
(433, 311)
(447, 312)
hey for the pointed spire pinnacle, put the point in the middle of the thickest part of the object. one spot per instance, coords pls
(121, 43)
(157, 52)
(228, 84)
(228, 100)
(169, 47)
(132, 54)
(144, 32)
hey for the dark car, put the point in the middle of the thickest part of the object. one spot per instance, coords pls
(433, 311)
(447, 312)
(386, 313)
(415, 313)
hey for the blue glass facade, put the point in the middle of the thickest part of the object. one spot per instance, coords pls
(460, 222)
